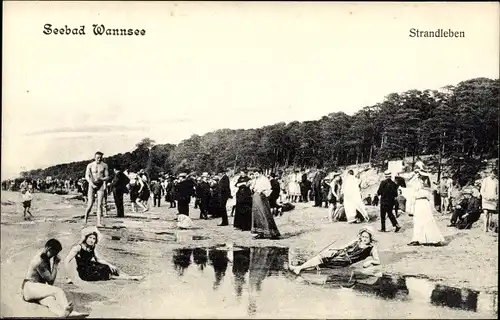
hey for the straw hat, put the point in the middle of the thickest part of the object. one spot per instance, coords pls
(89, 230)
(204, 174)
(387, 173)
(370, 231)
(183, 174)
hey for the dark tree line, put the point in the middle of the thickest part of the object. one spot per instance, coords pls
(457, 123)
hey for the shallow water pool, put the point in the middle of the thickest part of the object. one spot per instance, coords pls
(252, 282)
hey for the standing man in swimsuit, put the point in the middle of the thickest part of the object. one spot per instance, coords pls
(97, 175)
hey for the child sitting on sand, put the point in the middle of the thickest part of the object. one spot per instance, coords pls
(27, 197)
(38, 285)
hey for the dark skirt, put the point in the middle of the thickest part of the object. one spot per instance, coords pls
(134, 193)
(273, 198)
(344, 259)
(169, 197)
(263, 222)
(95, 271)
(243, 210)
(145, 194)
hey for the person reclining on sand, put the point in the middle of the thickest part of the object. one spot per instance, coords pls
(38, 285)
(363, 248)
(90, 265)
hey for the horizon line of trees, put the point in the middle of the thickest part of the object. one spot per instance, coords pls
(457, 123)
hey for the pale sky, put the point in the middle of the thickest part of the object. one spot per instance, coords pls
(207, 66)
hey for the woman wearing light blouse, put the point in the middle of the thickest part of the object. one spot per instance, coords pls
(263, 224)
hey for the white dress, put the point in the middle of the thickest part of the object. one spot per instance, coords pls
(409, 192)
(234, 189)
(489, 193)
(293, 185)
(425, 229)
(352, 198)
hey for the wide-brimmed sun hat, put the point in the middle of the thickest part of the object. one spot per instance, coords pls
(89, 230)
(370, 231)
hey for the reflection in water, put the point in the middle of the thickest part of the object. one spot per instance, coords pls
(264, 262)
(454, 297)
(385, 286)
(241, 263)
(182, 260)
(219, 261)
(200, 257)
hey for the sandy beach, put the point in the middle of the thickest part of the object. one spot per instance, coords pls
(139, 244)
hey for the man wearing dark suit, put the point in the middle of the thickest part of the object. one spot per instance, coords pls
(388, 191)
(318, 178)
(119, 187)
(225, 194)
(184, 190)
(204, 194)
(468, 211)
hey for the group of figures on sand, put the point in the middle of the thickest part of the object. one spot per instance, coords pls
(425, 229)
(38, 284)
(253, 199)
(253, 206)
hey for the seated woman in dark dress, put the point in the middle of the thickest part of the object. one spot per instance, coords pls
(358, 250)
(89, 264)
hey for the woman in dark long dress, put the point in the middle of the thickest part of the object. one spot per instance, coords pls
(263, 224)
(214, 199)
(144, 192)
(243, 210)
(89, 265)
(275, 194)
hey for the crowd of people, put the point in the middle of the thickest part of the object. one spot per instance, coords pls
(255, 199)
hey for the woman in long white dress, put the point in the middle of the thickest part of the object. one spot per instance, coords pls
(412, 184)
(425, 229)
(352, 198)
(294, 187)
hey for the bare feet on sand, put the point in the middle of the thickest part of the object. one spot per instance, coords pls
(67, 311)
(294, 269)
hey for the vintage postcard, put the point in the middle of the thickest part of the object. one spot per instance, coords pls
(250, 159)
